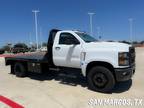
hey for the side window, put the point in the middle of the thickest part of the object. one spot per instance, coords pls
(67, 39)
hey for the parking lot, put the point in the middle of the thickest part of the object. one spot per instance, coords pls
(63, 90)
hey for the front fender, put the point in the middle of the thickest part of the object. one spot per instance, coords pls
(84, 64)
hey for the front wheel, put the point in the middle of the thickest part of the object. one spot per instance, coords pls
(19, 70)
(100, 79)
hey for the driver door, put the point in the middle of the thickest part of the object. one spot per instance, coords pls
(67, 51)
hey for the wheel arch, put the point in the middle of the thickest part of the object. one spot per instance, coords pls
(9, 62)
(100, 63)
(12, 62)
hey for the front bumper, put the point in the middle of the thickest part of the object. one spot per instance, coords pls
(124, 74)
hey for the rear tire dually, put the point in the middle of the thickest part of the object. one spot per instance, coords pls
(19, 70)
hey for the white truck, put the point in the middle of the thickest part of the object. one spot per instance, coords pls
(102, 63)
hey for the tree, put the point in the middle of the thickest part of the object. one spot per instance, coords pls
(124, 41)
(20, 45)
(135, 42)
(142, 42)
(7, 47)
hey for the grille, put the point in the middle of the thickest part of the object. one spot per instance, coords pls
(132, 55)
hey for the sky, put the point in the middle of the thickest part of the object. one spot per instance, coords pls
(17, 20)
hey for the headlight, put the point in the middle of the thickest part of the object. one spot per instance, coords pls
(83, 55)
(123, 59)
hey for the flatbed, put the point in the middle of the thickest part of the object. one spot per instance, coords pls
(35, 57)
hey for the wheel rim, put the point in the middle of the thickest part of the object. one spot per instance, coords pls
(100, 80)
(18, 69)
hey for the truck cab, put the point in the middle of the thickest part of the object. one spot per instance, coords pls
(102, 63)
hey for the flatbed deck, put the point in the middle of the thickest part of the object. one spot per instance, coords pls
(33, 57)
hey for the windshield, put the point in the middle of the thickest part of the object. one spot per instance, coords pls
(85, 37)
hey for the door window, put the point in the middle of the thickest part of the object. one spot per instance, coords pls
(67, 39)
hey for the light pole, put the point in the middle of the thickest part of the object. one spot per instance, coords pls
(91, 22)
(131, 29)
(36, 25)
(40, 37)
(98, 32)
(30, 40)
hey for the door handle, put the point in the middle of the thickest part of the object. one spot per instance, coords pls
(57, 48)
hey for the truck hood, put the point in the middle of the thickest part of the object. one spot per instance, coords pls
(107, 46)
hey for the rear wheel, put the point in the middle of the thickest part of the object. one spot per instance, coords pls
(100, 79)
(19, 70)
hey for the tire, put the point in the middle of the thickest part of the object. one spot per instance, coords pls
(100, 79)
(19, 70)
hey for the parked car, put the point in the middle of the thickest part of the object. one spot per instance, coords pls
(43, 49)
